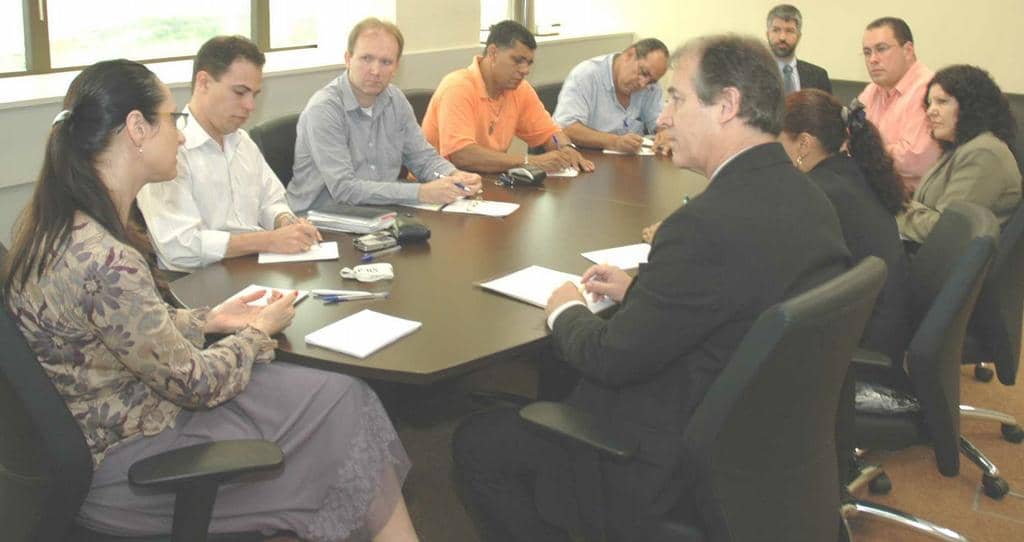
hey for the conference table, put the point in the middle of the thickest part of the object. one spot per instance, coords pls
(437, 282)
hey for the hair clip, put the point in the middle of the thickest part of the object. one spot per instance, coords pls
(62, 116)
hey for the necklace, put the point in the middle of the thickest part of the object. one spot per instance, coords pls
(495, 113)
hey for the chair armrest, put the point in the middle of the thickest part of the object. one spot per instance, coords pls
(211, 461)
(580, 427)
(871, 359)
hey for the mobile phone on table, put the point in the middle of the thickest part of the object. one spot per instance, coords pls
(374, 241)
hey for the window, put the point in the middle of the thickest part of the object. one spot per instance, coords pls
(67, 34)
(556, 17)
(12, 37)
(83, 32)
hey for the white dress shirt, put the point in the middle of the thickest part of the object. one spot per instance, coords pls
(217, 192)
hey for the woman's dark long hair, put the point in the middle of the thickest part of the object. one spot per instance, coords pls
(97, 103)
(822, 116)
(983, 106)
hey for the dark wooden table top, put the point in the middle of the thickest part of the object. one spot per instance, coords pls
(436, 283)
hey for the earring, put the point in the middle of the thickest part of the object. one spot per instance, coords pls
(799, 159)
(140, 149)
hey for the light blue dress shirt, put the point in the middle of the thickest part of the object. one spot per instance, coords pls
(588, 97)
(344, 155)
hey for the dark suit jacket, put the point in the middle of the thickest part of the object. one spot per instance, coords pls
(760, 233)
(870, 230)
(812, 76)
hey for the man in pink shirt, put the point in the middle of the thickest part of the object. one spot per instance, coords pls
(894, 100)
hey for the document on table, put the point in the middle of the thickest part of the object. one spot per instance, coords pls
(534, 285)
(627, 257)
(471, 206)
(321, 251)
(567, 172)
(262, 302)
(644, 151)
(363, 333)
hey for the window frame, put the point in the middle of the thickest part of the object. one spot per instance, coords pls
(37, 38)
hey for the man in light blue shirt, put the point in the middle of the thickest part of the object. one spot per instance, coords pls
(611, 101)
(356, 133)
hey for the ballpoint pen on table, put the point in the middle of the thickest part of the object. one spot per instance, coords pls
(332, 299)
(344, 293)
(370, 257)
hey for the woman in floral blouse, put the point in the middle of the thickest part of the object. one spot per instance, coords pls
(133, 370)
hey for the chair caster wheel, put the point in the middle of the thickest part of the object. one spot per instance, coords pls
(982, 373)
(880, 485)
(995, 487)
(1013, 433)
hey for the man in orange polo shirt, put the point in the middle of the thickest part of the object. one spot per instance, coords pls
(476, 111)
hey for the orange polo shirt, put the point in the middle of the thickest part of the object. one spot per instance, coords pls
(460, 114)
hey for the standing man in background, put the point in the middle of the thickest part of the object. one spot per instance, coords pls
(785, 27)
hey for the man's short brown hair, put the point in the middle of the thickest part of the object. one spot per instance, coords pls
(373, 23)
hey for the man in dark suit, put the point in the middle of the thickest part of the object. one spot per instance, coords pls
(785, 25)
(760, 233)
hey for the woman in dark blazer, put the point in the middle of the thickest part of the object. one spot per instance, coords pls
(843, 154)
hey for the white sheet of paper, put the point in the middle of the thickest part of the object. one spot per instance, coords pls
(644, 151)
(363, 333)
(648, 141)
(481, 207)
(424, 206)
(321, 251)
(627, 257)
(567, 172)
(262, 302)
(534, 285)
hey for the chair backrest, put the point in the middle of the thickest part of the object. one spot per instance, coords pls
(45, 464)
(419, 98)
(762, 442)
(996, 322)
(276, 140)
(945, 278)
(548, 95)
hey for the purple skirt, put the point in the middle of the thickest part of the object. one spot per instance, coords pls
(342, 478)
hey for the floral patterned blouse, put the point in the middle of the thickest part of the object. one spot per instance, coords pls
(125, 361)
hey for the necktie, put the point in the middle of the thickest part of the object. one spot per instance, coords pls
(788, 81)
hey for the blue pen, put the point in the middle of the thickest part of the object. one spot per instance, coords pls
(330, 300)
(369, 257)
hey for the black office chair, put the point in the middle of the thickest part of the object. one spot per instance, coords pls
(419, 98)
(994, 332)
(548, 95)
(761, 445)
(276, 140)
(46, 467)
(921, 405)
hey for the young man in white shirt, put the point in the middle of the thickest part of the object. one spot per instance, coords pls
(226, 201)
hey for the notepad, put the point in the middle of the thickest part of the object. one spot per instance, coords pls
(470, 206)
(644, 151)
(352, 218)
(567, 172)
(321, 251)
(534, 285)
(363, 333)
(627, 257)
(262, 302)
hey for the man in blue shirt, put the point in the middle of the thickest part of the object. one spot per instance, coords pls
(611, 101)
(356, 133)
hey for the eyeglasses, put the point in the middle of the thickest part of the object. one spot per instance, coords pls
(879, 49)
(180, 119)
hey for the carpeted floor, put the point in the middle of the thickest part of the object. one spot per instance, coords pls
(426, 418)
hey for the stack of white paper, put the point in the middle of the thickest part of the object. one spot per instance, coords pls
(363, 333)
(534, 285)
(627, 257)
(644, 151)
(567, 172)
(321, 251)
(352, 218)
